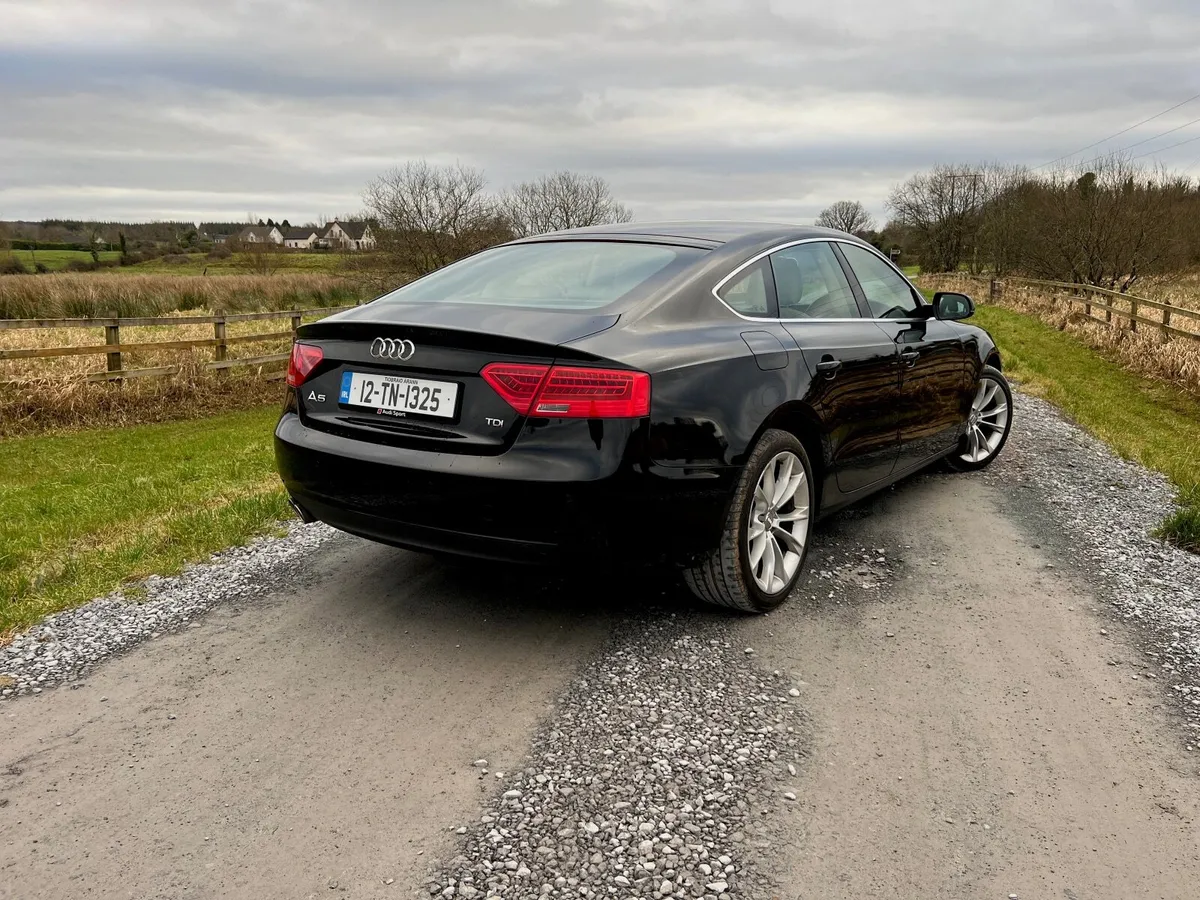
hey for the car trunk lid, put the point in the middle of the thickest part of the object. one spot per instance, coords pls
(412, 378)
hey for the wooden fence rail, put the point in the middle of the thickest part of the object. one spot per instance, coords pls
(1086, 295)
(113, 348)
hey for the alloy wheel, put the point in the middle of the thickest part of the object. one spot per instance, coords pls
(987, 423)
(778, 522)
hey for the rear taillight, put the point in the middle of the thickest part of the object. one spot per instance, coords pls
(305, 358)
(569, 392)
(517, 384)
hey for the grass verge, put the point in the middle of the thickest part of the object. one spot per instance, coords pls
(1146, 420)
(82, 513)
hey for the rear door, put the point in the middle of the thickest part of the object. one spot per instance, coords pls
(935, 389)
(855, 384)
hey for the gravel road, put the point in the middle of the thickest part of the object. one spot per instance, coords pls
(986, 686)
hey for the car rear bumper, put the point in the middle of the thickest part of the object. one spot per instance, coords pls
(520, 506)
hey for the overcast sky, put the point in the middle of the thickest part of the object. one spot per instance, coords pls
(142, 109)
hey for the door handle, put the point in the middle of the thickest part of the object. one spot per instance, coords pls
(910, 357)
(829, 367)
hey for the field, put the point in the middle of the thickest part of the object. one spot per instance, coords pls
(81, 513)
(240, 263)
(54, 260)
(186, 263)
(84, 294)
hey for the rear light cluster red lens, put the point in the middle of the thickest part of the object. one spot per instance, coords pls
(568, 392)
(305, 358)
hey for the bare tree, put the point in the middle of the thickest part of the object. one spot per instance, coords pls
(849, 216)
(1108, 225)
(428, 216)
(559, 201)
(261, 257)
(942, 208)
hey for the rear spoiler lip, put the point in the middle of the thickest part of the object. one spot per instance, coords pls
(548, 328)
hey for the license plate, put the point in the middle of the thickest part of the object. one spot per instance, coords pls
(399, 394)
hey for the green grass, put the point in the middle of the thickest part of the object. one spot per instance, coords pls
(54, 260)
(1142, 419)
(82, 513)
(196, 264)
(240, 264)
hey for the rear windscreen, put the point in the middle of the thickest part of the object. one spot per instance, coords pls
(551, 275)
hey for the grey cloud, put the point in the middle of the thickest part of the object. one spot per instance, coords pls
(749, 108)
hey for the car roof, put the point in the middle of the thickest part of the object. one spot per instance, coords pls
(705, 232)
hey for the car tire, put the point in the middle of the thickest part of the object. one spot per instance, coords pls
(988, 425)
(763, 533)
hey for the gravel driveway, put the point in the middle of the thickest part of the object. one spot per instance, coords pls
(986, 685)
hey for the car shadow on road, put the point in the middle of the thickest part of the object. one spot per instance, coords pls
(410, 587)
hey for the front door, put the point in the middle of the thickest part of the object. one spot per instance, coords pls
(854, 366)
(935, 389)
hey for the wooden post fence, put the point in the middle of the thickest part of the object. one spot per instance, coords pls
(112, 337)
(115, 351)
(1090, 297)
(219, 350)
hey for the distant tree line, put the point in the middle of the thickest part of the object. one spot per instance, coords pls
(1109, 223)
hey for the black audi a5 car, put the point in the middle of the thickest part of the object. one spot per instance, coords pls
(695, 393)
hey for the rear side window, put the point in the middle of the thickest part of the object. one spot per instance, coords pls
(746, 292)
(561, 275)
(888, 294)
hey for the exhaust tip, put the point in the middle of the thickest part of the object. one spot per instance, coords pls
(305, 516)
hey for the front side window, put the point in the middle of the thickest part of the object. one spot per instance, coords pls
(810, 283)
(888, 294)
(559, 275)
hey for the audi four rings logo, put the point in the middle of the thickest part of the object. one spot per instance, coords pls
(392, 348)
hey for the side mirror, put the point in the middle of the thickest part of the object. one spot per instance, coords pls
(949, 305)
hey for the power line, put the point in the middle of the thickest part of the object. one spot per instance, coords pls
(1163, 134)
(1119, 133)
(1165, 149)
(1146, 141)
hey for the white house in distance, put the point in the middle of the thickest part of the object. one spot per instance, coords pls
(301, 238)
(349, 236)
(260, 234)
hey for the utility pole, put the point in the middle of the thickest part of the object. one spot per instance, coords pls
(974, 178)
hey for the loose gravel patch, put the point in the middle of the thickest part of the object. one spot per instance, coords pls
(1100, 511)
(67, 644)
(660, 776)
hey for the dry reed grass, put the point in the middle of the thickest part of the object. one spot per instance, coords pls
(60, 406)
(1147, 351)
(77, 295)
(1181, 290)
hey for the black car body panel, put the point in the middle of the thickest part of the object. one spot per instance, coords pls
(872, 400)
